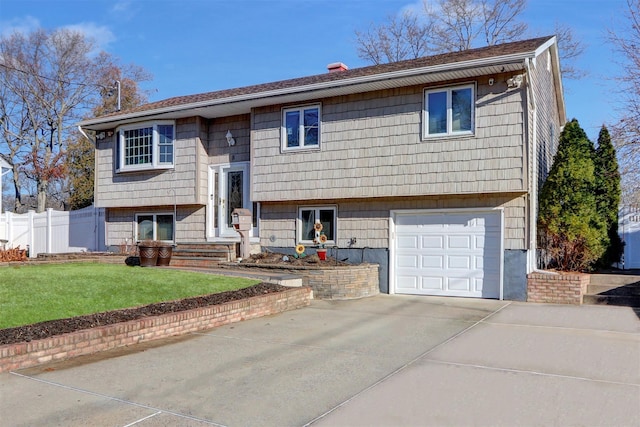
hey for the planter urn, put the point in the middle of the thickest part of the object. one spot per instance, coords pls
(164, 255)
(148, 254)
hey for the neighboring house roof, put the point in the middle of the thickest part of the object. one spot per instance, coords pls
(506, 57)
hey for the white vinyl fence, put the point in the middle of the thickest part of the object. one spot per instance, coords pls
(54, 231)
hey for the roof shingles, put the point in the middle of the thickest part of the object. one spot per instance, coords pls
(505, 49)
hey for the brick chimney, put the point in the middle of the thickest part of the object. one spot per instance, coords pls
(337, 66)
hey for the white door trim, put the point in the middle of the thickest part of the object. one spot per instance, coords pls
(392, 237)
(214, 204)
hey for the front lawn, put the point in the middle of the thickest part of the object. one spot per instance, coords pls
(36, 293)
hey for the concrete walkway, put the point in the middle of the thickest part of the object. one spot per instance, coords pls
(385, 360)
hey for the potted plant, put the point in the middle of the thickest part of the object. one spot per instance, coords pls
(320, 239)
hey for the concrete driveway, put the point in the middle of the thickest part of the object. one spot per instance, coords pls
(385, 360)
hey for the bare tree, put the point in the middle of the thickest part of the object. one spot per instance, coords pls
(570, 48)
(50, 80)
(500, 21)
(401, 37)
(457, 24)
(442, 26)
(626, 131)
(39, 72)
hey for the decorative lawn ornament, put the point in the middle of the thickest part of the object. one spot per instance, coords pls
(300, 251)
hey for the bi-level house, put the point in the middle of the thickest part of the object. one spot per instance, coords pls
(429, 167)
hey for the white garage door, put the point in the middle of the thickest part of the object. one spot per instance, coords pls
(448, 253)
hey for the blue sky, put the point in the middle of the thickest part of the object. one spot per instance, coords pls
(193, 46)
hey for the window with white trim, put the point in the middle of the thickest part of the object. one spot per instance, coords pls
(158, 226)
(307, 218)
(301, 127)
(146, 146)
(449, 111)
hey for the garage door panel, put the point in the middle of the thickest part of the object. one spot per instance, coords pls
(459, 262)
(459, 284)
(407, 242)
(459, 242)
(432, 242)
(408, 261)
(405, 283)
(433, 261)
(455, 254)
(431, 283)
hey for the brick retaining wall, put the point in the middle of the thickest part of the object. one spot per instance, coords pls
(89, 341)
(558, 288)
(339, 282)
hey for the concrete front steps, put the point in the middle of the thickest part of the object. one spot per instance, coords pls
(614, 289)
(202, 255)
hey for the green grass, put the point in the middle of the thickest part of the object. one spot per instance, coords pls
(31, 294)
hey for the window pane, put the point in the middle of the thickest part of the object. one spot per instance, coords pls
(437, 105)
(165, 227)
(138, 146)
(235, 194)
(327, 219)
(145, 227)
(165, 144)
(461, 110)
(292, 124)
(308, 218)
(311, 127)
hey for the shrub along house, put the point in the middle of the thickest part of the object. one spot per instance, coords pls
(429, 167)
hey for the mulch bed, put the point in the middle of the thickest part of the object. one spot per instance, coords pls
(62, 326)
(274, 258)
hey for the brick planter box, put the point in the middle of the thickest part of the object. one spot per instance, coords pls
(557, 288)
(329, 282)
(89, 341)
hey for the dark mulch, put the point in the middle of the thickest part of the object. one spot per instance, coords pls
(63, 326)
(274, 258)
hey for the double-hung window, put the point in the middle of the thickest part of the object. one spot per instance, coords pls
(307, 218)
(449, 111)
(145, 146)
(154, 226)
(301, 127)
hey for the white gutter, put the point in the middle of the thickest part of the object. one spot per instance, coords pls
(85, 135)
(475, 63)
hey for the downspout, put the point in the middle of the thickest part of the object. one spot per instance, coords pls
(95, 144)
(532, 263)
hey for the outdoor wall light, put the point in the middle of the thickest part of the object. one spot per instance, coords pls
(230, 140)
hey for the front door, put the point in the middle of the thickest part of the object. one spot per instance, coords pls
(228, 190)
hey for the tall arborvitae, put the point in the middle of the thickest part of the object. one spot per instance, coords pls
(570, 229)
(608, 195)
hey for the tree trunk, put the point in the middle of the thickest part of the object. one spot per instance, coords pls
(42, 195)
(17, 204)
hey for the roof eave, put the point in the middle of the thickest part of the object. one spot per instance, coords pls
(518, 58)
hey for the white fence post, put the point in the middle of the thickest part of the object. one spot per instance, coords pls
(49, 228)
(9, 230)
(31, 234)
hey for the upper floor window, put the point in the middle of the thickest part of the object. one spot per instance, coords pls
(449, 111)
(146, 146)
(301, 127)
